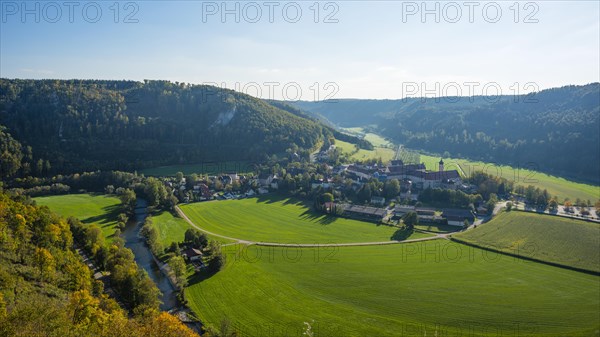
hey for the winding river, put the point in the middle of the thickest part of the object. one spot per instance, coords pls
(144, 258)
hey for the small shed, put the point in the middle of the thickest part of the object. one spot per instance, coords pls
(192, 254)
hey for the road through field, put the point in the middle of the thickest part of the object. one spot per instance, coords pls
(307, 245)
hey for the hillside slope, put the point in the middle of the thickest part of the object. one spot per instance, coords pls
(554, 130)
(127, 125)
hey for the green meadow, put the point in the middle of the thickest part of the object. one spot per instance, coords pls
(171, 228)
(282, 220)
(545, 237)
(386, 154)
(372, 138)
(432, 288)
(96, 209)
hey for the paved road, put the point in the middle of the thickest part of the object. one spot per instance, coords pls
(307, 245)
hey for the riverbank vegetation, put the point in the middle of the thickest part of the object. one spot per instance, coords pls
(46, 289)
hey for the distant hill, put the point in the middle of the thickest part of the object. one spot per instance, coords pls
(75, 125)
(555, 130)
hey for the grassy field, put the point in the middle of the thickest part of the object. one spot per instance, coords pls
(210, 168)
(284, 220)
(555, 185)
(172, 228)
(545, 237)
(373, 138)
(386, 154)
(99, 209)
(433, 288)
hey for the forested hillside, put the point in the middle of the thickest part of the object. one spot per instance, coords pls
(554, 131)
(47, 290)
(55, 126)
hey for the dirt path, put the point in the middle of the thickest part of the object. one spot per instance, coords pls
(307, 245)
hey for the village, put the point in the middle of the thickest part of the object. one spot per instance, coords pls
(347, 184)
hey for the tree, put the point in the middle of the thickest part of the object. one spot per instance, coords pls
(216, 259)
(179, 176)
(109, 189)
(196, 238)
(178, 267)
(122, 217)
(491, 203)
(509, 206)
(45, 262)
(410, 219)
(365, 193)
(166, 325)
(567, 204)
(128, 199)
(94, 239)
(174, 248)
(391, 188)
(553, 205)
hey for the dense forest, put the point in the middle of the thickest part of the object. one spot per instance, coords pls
(59, 126)
(554, 131)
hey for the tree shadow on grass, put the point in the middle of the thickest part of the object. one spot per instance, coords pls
(200, 276)
(107, 218)
(269, 198)
(401, 234)
(272, 198)
(323, 219)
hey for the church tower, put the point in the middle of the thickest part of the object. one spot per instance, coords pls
(441, 165)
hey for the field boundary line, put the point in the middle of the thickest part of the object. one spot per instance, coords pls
(533, 259)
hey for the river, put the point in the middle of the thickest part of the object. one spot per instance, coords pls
(144, 259)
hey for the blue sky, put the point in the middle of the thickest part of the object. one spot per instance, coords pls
(376, 49)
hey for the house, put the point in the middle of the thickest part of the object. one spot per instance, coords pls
(359, 171)
(325, 154)
(364, 212)
(265, 179)
(274, 183)
(482, 209)
(428, 216)
(379, 201)
(250, 193)
(225, 179)
(425, 211)
(457, 217)
(329, 206)
(192, 254)
(431, 219)
(422, 178)
(380, 176)
(400, 210)
(203, 190)
(263, 190)
(320, 183)
(339, 169)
